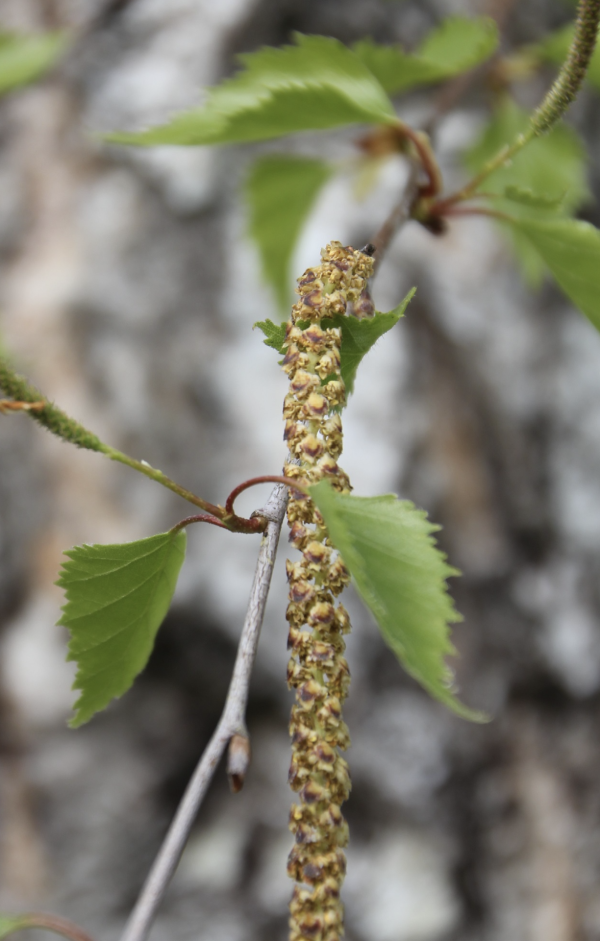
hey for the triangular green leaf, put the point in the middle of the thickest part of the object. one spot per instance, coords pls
(117, 597)
(280, 192)
(555, 46)
(571, 250)
(387, 546)
(12, 923)
(316, 84)
(25, 58)
(456, 46)
(552, 167)
(358, 336)
(274, 333)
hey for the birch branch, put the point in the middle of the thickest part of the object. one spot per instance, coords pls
(231, 729)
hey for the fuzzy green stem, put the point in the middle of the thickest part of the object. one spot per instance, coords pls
(65, 427)
(144, 468)
(574, 68)
(51, 417)
(554, 105)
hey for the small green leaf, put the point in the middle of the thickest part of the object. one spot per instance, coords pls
(527, 197)
(280, 192)
(400, 574)
(316, 84)
(552, 167)
(358, 336)
(274, 333)
(571, 250)
(11, 923)
(117, 597)
(457, 45)
(23, 59)
(460, 43)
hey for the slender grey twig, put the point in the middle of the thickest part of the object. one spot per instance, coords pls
(399, 215)
(231, 725)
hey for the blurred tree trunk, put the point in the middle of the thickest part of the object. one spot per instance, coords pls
(127, 293)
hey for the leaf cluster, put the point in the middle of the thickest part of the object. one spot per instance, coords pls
(118, 595)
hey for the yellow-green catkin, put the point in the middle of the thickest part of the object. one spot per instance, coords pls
(317, 669)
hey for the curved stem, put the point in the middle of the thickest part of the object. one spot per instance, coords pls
(554, 105)
(498, 160)
(27, 398)
(570, 78)
(426, 158)
(142, 467)
(55, 923)
(253, 482)
(201, 518)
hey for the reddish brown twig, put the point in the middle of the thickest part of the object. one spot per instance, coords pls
(55, 923)
(8, 405)
(253, 482)
(200, 518)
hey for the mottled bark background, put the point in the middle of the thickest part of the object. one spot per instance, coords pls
(128, 290)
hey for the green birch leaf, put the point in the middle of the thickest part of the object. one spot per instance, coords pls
(358, 336)
(460, 43)
(554, 48)
(280, 192)
(400, 574)
(316, 84)
(570, 248)
(552, 167)
(116, 599)
(457, 45)
(11, 923)
(23, 59)
(274, 333)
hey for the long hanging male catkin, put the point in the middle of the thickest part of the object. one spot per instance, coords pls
(317, 668)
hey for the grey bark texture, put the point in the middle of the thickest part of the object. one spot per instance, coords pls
(128, 290)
